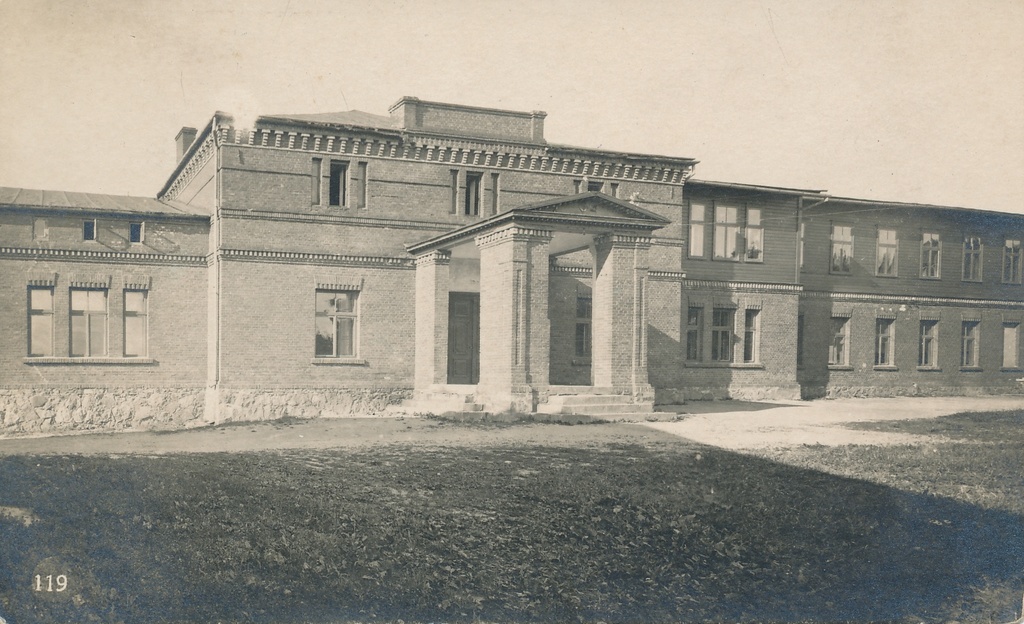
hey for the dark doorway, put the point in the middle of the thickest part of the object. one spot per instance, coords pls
(463, 338)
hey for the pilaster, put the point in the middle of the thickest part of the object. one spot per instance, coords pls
(432, 284)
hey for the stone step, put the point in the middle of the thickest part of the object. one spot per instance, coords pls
(590, 399)
(596, 409)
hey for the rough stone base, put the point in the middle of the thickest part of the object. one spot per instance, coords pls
(244, 405)
(64, 410)
(678, 396)
(850, 392)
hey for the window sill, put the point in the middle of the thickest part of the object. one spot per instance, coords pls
(886, 276)
(931, 279)
(929, 369)
(581, 361)
(885, 367)
(338, 361)
(971, 369)
(1011, 370)
(840, 367)
(967, 281)
(49, 361)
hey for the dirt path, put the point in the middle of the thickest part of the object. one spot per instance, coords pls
(732, 425)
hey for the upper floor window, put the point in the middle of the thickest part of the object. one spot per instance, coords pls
(89, 229)
(842, 249)
(337, 323)
(316, 175)
(972, 259)
(727, 232)
(88, 322)
(698, 222)
(886, 254)
(136, 232)
(40, 321)
(800, 249)
(39, 230)
(754, 236)
(1011, 262)
(337, 192)
(931, 250)
(472, 203)
(595, 185)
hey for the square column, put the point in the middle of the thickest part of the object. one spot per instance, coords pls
(514, 325)
(619, 318)
(432, 285)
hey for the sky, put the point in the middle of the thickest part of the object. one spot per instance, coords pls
(919, 101)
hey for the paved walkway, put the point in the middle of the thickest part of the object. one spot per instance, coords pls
(793, 423)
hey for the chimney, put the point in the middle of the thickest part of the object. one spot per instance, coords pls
(186, 136)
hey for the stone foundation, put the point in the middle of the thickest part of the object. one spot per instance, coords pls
(678, 396)
(238, 405)
(64, 410)
(853, 392)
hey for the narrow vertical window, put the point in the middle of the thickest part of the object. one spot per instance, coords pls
(1011, 345)
(315, 176)
(972, 259)
(1011, 262)
(754, 236)
(472, 204)
(39, 230)
(969, 344)
(337, 323)
(697, 228)
(722, 320)
(886, 254)
(88, 322)
(799, 340)
(495, 193)
(358, 192)
(839, 348)
(337, 194)
(584, 311)
(615, 189)
(136, 231)
(454, 209)
(577, 186)
(928, 349)
(695, 333)
(751, 336)
(727, 232)
(800, 251)
(884, 342)
(40, 321)
(89, 229)
(842, 249)
(931, 248)
(136, 323)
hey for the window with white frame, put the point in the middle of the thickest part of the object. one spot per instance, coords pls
(928, 345)
(1011, 345)
(1011, 261)
(972, 259)
(40, 321)
(969, 344)
(931, 254)
(887, 253)
(88, 322)
(136, 232)
(89, 230)
(842, 249)
(337, 323)
(722, 320)
(727, 232)
(751, 336)
(136, 323)
(839, 347)
(754, 236)
(884, 341)
(698, 224)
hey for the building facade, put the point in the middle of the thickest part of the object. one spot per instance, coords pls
(447, 257)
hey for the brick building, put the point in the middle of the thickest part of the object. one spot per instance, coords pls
(451, 258)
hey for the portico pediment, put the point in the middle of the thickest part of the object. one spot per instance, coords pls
(590, 212)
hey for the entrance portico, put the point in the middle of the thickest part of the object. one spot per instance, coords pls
(504, 261)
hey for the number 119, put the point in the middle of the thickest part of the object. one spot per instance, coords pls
(61, 582)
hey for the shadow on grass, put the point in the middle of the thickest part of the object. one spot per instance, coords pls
(617, 533)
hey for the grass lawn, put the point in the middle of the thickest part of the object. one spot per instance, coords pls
(672, 532)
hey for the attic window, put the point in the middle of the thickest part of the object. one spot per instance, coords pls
(595, 186)
(89, 229)
(135, 232)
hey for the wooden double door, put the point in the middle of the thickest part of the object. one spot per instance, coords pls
(463, 338)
